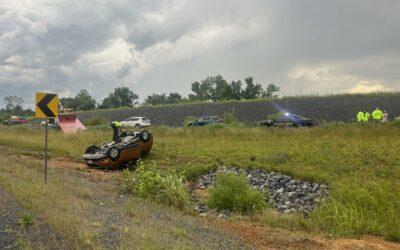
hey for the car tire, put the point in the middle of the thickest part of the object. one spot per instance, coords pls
(145, 136)
(114, 153)
(137, 126)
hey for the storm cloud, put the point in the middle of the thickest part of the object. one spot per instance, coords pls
(305, 47)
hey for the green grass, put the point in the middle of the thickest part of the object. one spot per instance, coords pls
(361, 164)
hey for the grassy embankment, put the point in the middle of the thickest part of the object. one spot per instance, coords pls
(360, 164)
(384, 94)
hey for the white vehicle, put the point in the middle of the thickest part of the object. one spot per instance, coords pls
(136, 122)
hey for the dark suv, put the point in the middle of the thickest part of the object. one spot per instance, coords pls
(206, 120)
(289, 120)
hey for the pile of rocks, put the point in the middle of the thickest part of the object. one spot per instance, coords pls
(286, 194)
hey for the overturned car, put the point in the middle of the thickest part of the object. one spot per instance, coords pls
(129, 147)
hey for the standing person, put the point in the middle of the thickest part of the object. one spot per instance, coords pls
(366, 117)
(385, 116)
(360, 116)
(116, 126)
(377, 115)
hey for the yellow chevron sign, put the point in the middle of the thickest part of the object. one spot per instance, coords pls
(46, 105)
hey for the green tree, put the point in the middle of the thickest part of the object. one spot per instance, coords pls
(82, 101)
(214, 88)
(174, 98)
(236, 89)
(69, 103)
(156, 99)
(252, 90)
(162, 99)
(202, 91)
(85, 100)
(13, 103)
(220, 88)
(271, 91)
(121, 97)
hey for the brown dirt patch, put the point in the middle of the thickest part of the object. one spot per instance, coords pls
(93, 174)
(264, 237)
(202, 194)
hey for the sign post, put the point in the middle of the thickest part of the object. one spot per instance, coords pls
(46, 107)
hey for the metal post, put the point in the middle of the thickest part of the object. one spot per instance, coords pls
(45, 152)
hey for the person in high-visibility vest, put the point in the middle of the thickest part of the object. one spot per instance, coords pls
(366, 117)
(116, 126)
(360, 116)
(377, 115)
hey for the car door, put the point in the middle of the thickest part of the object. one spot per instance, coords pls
(131, 122)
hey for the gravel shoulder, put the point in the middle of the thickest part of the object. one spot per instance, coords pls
(20, 230)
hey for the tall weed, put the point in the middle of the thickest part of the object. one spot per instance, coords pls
(164, 186)
(234, 193)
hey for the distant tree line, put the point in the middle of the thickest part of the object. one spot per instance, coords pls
(213, 88)
(14, 106)
(121, 97)
(216, 88)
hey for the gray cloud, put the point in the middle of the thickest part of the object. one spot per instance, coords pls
(152, 46)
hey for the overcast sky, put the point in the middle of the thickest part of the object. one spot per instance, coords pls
(154, 46)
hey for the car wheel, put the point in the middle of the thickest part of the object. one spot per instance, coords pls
(137, 126)
(114, 153)
(145, 136)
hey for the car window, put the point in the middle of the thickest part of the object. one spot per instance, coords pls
(298, 118)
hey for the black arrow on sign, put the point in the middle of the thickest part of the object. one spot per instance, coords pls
(43, 105)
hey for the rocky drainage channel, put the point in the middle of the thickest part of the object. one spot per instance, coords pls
(286, 194)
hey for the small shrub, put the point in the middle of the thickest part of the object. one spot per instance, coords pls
(233, 193)
(26, 220)
(164, 186)
(96, 121)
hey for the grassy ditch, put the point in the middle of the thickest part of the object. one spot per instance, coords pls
(94, 213)
(360, 163)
